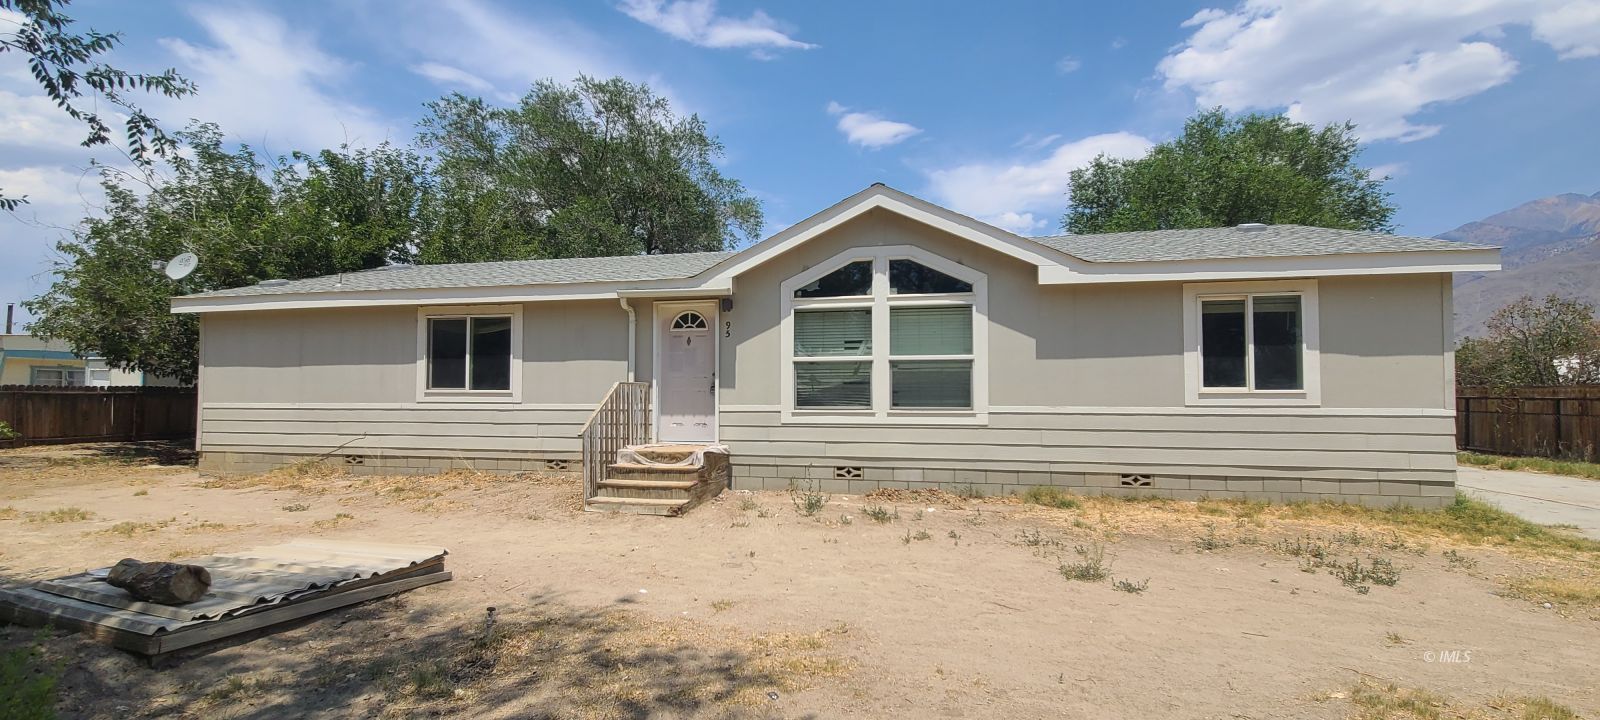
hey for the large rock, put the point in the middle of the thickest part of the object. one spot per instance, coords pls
(161, 582)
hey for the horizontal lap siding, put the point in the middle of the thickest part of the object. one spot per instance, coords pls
(403, 430)
(1376, 447)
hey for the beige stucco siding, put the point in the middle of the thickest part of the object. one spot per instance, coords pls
(307, 381)
(1085, 382)
(1110, 345)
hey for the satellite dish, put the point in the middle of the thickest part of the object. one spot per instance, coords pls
(179, 267)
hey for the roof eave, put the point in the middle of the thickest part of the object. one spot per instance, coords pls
(1343, 264)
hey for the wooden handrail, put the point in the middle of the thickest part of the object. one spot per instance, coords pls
(621, 419)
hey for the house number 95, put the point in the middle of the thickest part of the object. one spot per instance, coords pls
(727, 329)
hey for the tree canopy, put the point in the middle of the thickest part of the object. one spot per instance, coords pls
(599, 167)
(1549, 341)
(65, 65)
(335, 211)
(1225, 170)
(596, 168)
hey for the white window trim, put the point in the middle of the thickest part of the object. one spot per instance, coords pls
(65, 370)
(881, 411)
(1310, 349)
(427, 394)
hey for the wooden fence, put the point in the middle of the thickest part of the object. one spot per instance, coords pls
(1556, 422)
(43, 415)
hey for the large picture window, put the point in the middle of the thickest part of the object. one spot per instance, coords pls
(472, 353)
(885, 332)
(1253, 342)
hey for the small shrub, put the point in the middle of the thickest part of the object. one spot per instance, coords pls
(954, 536)
(881, 514)
(1395, 638)
(969, 491)
(922, 535)
(296, 507)
(763, 513)
(1458, 560)
(846, 520)
(1210, 541)
(1036, 539)
(1050, 497)
(334, 521)
(808, 499)
(1091, 566)
(1131, 587)
(6, 433)
(62, 515)
(721, 605)
(1354, 575)
(748, 503)
(141, 493)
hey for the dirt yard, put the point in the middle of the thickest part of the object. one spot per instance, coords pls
(897, 606)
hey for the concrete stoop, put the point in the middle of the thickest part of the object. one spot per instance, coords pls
(660, 490)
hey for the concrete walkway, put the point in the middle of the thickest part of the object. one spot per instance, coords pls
(1544, 499)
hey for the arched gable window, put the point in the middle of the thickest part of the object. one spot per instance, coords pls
(689, 320)
(881, 332)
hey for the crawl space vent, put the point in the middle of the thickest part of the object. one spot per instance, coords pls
(847, 473)
(556, 465)
(1136, 481)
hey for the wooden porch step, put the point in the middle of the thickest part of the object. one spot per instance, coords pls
(666, 452)
(664, 469)
(637, 506)
(644, 484)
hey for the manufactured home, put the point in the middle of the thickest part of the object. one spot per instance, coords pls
(883, 342)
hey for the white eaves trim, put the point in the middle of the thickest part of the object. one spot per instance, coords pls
(1268, 268)
(438, 296)
(1054, 266)
(884, 197)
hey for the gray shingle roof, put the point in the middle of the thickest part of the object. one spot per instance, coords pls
(493, 274)
(1232, 242)
(1123, 247)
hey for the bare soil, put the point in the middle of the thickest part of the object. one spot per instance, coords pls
(951, 607)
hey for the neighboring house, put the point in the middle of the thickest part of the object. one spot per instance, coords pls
(884, 342)
(27, 360)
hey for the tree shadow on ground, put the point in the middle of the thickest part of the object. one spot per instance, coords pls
(144, 452)
(543, 658)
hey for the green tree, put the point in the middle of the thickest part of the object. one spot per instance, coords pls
(599, 167)
(345, 210)
(66, 66)
(1225, 170)
(1553, 341)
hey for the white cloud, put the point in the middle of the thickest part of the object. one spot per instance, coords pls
(870, 130)
(697, 22)
(1572, 29)
(1375, 62)
(34, 121)
(510, 51)
(270, 84)
(452, 76)
(1068, 65)
(1026, 195)
(51, 189)
(1387, 170)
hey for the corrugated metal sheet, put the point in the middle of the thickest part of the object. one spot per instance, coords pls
(241, 583)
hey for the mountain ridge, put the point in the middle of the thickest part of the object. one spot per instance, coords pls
(1548, 246)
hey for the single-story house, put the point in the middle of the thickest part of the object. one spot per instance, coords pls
(883, 342)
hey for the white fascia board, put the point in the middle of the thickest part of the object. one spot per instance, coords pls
(424, 296)
(1388, 263)
(887, 199)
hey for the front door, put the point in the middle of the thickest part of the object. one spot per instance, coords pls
(686, 340)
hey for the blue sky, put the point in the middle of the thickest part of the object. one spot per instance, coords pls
(984, 107)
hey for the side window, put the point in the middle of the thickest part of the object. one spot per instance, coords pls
(469, 353)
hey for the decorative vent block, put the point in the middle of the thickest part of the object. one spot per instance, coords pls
(847, 473)
(355, 460)
(557, 465)
(1136, 481)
